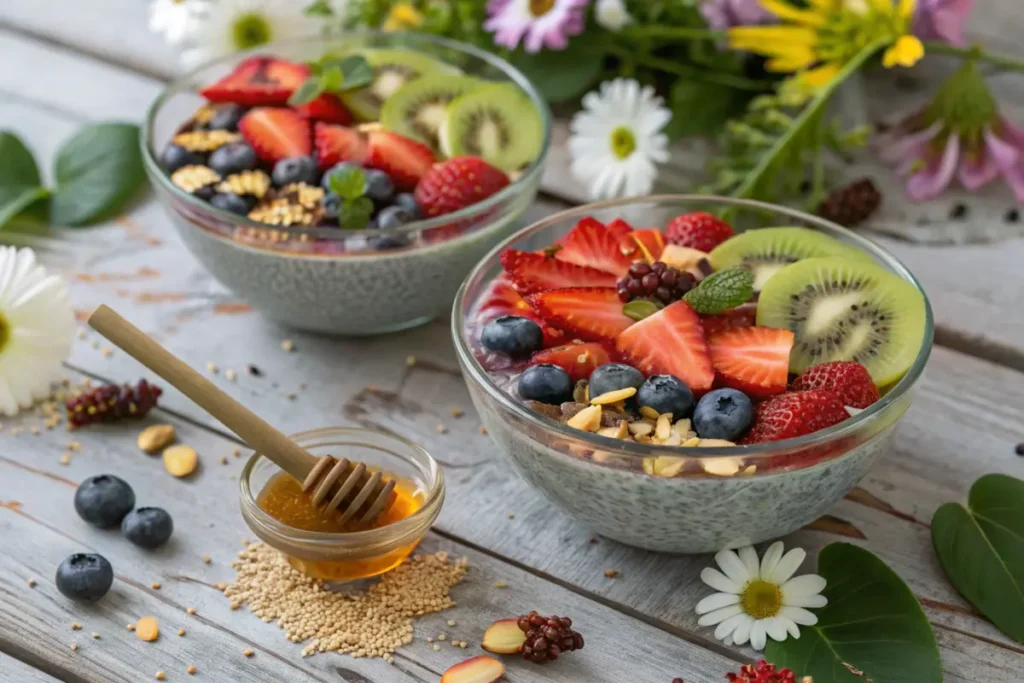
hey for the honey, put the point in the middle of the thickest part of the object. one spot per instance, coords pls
(282, 498)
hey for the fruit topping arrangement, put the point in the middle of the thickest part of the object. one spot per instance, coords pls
(371, 140)
(695, 335)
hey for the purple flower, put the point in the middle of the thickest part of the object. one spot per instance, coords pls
(942, 20)
(538, 23)
(724, 14)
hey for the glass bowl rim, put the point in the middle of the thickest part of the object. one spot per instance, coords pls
(635, 450)
(385, 535)
(509, 192)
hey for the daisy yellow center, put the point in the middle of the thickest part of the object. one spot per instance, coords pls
(539, 8)
(250, 30)
(623, 143)
(761, 599)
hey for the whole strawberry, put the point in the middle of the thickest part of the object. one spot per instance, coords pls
(697, 230)
(794, 414)
(456, 184)
(848, 380)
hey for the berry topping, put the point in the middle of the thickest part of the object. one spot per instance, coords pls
(394, 217)
(276, 133)
(591, 244)
(579, 360)
(656, 281)
(405, 160)
(670, 342)
(619, 228)
(762, 672)
(327, 108)
(512, 335)
(614, 377)
(794, 414)
(848, 380)
(591, 313)
(723, 414)
(84, 577)
(741, 316)
(148, 528)
(295, 170)
(851, 205)
(229, 201)
(104, 500)
(174, 157)
(233, 157)
(407, 201)
(546, 384)
(503, 299)
(379, 186)
(643, 244)
(336, 144)
(533, 272)
(548, 637)
(697, 230)
(753, 359)
(227, 117)
(456, 184)
(258, 81)
(666, 394)
(110, 402)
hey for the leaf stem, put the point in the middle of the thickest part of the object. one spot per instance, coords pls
(704, 75)
(941, 48)
(672, 32)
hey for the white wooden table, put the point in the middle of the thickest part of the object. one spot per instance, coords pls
(67, 63)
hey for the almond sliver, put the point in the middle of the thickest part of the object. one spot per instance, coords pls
(613, 396)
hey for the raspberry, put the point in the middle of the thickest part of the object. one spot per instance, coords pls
(658, 280)
(109, 403)
(762, 672)
(852, 204)
(547, 637)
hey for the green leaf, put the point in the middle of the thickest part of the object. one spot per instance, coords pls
(348, 183)
(17, 165)
(310, 89)
(981, 549)
(872, 623)
(332, 79)
(320, 8)
(97, 171)
(14, 199)
(721, 291)
(357, 70)
(355, 214)
(700, 108)
(638, 309)
(563, 75)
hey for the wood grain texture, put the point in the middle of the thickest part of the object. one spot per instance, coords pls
(17, 671)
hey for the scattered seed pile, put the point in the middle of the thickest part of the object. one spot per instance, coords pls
(372, 623)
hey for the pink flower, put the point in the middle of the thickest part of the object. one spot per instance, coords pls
(942, 20)
(538, 23)
(724, 14)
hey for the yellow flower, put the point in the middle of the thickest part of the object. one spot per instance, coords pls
(815, 42)
(402, 17)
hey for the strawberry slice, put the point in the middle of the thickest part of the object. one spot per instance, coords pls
(579, 360)
(327, 108)
(258, 81)
(405, 160)
(503, 299)
(338, 143)
(670, 342)
(591, 313)
(532, 272)
(618, 227)
(741, 316)
(644, 244)
(591, 244)
(754, 360)
(276, 133)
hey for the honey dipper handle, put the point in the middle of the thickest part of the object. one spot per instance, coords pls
(252, 429)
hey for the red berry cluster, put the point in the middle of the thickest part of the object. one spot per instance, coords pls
(658, 280)
(762, 672)
(548, 637)
(110, 402)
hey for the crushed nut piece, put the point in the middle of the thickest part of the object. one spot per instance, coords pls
(230, 375)
(190, 610)
(650, 412)
(500, 584)
(192, 179)
(458, 412)
(206, 559)
(611, 573)
(437, 648)
(181, 631)
(588, 419)
(95, 635)
(251, 183)
(130, 627)
(442, 637)
(74, 647)
(211, 368)
(451, 622)
(611, 397)
(155, 586)
(160, 675)
(205, 140)
(155, 438)
(511, 515)
(483, 430)
(430, 639)
(223, 460)
(191, 670)
(247, 652)
(181, 461)
(75, 626)
(441, 429)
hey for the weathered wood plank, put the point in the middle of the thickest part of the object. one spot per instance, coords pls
(16, 671)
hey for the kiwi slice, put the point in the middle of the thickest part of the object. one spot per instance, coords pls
(392, 69)
(418, 108)
(846, 309)
(497, 123)
(766, 251)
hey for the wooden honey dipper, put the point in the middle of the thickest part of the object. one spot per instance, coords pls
(340, 484)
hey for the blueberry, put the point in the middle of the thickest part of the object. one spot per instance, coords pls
(233, 203)
(408, 202)
(394, 217)
(233, 158)
(379, 186)
(515, 336)
(295, 170)
(227, 117)
(331, 205)
(205, 193)
(545, 383)
(723, 414)
(148, 527)
(174, 157)
(614, 376)
(84, 577)
(325, 182)
(666, 394)
(104, 500)
(386, 241)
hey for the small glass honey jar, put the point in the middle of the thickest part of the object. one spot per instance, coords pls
(277, 511)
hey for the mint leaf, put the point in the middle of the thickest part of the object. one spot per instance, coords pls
(355, 214)
(97, 171)
(320, 8)
(17, 165)
(357, 70)
(16, 198)
(721, 291)
(332, 79)
(348, 183)
(639, 309)
(310, 89)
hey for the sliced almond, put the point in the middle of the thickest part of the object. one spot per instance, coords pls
(682, 258)
(147, 629)
(674, 439)
(663, 428)
(181, 461)
(620, 432)
(588, 419)
(715, 443)
(155, 438)
(641, 428)
(692, 441)
(684, 426)
(664, 465)
(650, 412)
(613, 396)
(722, 467)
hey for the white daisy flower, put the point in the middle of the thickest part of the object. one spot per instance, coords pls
(612, 15)
(759, 599)
(175, 20)
(228, 26)
(36, 327)
(616, 139)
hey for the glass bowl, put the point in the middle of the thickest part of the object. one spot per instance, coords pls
(674, 499)
(357, 554)
(327, 279)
